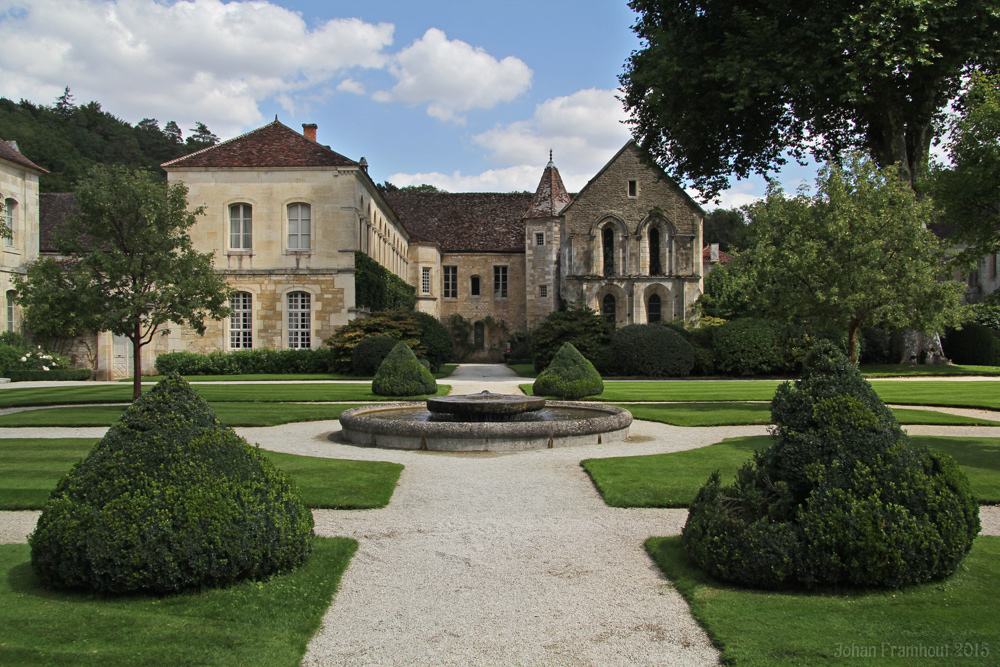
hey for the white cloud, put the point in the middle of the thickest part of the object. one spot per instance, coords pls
(494, 180)
(351, 86)
(192, 60)
(452, 77)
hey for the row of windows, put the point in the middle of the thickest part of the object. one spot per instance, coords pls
(656, 266)
(299, 321)
(654, 308)
(450, 281)
(299, 227)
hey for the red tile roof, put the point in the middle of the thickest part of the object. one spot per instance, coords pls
(724, 257)
(11, 154)
(274, 145)
(550, 196)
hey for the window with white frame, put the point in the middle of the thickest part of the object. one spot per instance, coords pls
(451, 282)
(425, 280)
(11, 324)
(299, 321)
(240, 226)
(499, 282)
(9, 209)
(241, 322)
(299, 227)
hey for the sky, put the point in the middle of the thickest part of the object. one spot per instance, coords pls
(464, 95)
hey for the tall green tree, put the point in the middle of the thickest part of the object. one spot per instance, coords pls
(857, 253)
(725, 226)
(727, 87)
(136, 271)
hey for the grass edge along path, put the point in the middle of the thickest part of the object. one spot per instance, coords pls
(249, 623)
(945, 622)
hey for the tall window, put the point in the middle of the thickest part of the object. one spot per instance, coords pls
(474, 285)
(608, 242)
(451, 282)
(633, 188)
(654, 309)
(299, 324)
(299, 227)
(241, 322)
(499, 282)
(240, 227)
(654, 252)
(608, 308)
(425, 280)
(11, 295)
(9, 207)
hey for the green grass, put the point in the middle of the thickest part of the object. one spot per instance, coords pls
(251, 623)
(672, 480)
(231, 414)
(905, 370)
(524, 370)
(757, 628)
(443, 372)
(270, 393)
(31, 467)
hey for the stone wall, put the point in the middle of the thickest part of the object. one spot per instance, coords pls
(475, 308)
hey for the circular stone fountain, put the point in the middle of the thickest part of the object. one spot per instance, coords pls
(484, 423)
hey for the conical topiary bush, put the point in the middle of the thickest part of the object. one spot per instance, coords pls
(840, 498)
(569, 375)
(169, 499)
(402, 374)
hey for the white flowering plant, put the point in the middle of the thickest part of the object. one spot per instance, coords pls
(39, 360)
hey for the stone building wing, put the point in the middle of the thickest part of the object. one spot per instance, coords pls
(9, 153)
(464, 222)
(550, 196)
(274, 145)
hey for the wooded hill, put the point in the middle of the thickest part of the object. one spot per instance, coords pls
(68, 139)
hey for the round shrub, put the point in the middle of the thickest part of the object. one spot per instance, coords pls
(841, 497)
(569, 376)
(369, 354)
(748, 346)
(587, 330)
(972, 344)
(401, 374)
(170, 499)
(651, 350)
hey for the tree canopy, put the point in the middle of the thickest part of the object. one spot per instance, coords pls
(724, 87)
(857, 253)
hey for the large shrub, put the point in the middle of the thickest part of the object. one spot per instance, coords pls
(435, 338)
(169, 499)
(651, 350)
(401, 374)
(749, 346)
(243, 362)
(401, 325)
(841, 497)
(369, 354)
(587, 330)
(569, 376)
(972, 344)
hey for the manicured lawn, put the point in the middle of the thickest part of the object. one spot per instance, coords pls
(524, 370)
(231, 414)
(905, 370)
(216, 393)
(954, 619)
(726, 414)
(252, 623)
(672, 480)
(31, 467)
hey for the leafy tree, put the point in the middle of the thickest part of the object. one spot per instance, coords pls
(173, 133)
(728, 293)
(136, 270)
(858, 253)
(588, 331)
(723, 87)
(423, 187)
(727, 227)
(52, 318)
(201, 138)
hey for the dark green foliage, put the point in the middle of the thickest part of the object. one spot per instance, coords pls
(369, 354)
(876, 345)
(435, 339)
(401, 374)
(377, 288)
(10, 358)
(169, 499)
(14, 339)
(840, 498)
(584, 328)
(569, 376)
(59, 374)
(987, 312)
(727, 227)
(651, 350)
(749, 346)
(728, 294)
(243, 362)
(401, 325)
(520, 345)
(972, 344)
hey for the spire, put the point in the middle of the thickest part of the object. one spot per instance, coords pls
(551, 196)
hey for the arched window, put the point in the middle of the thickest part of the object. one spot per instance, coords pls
(11, 323)
(655, 269)
(240, 227)
(241, 321)
(9, 209)
(478, 336)
(299, 320)
(299, 226)
(608, 308)
(654, 308)
(608, 243)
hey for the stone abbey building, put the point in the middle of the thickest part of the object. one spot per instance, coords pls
(284, 215)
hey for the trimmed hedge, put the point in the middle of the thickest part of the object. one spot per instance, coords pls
(243, 362)
(33, 376)
(974, 344)
(401, 374)
(749, 346)
(651, 350)
(370, 353)
(569, 376)
(170, 499)
(840, 498)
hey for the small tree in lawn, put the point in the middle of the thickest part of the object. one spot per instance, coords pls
(136, 269)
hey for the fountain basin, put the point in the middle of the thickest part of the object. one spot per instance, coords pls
(401, 426)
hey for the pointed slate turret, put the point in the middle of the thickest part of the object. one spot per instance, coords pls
(551, 195)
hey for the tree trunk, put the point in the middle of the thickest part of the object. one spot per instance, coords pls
(852, 340)
(920, 349)
(136, 360)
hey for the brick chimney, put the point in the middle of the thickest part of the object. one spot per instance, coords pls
(309, 131)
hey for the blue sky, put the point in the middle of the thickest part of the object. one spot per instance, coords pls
(467, 96)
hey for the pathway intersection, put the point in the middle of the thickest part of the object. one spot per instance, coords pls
(498, 559)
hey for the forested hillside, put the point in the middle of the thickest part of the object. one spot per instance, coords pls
(67, 139)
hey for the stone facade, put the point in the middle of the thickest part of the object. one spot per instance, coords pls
(19, 197)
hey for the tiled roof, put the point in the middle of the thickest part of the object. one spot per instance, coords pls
(274, 145)
(11, 154)
(464, 222)
(53, 209)
(724, 257)
(551, 195)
